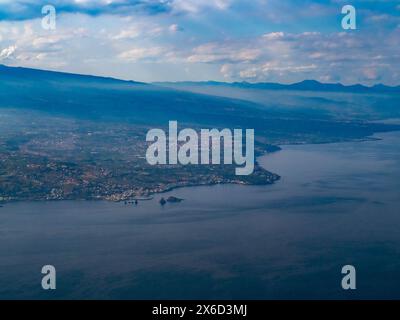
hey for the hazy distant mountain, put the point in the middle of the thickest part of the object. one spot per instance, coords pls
(28, 74)
(307, 99)
(102, 98)
(306, 85)
(106, 99)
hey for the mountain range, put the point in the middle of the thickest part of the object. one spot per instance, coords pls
(306, 85)
(280, 117)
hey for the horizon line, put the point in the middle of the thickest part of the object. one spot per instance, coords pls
(207, 81)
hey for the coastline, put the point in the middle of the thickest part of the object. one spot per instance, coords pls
(271, 149)
(139, 199)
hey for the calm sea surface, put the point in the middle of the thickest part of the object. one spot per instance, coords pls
(336, 204)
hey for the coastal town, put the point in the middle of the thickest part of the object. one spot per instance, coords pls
(83, 161)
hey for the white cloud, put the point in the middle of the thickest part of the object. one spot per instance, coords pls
(173, 28)
(250, 73)
(215, 52)
(273, 35)
(7, 52)
(130, 33)
(137, 54)
(195, 6)
(226, 70)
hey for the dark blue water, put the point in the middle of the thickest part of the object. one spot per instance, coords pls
(336, 204)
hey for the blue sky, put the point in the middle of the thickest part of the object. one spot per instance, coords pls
(224, 40)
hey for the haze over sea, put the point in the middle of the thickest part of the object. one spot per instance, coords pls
(336, 204)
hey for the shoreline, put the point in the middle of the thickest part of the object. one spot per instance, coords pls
(261, 154)
(150, 198)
